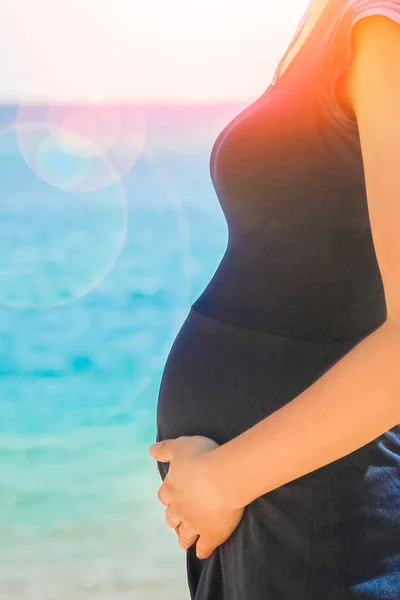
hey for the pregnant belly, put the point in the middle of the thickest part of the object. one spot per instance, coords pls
(330, 529)
(219, 379)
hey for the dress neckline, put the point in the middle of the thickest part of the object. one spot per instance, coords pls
(277, 77)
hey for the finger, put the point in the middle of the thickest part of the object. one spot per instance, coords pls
(187, 536)
(205, 547)
(162, 451)
(171, 523)
(163, 494)
(172, 519)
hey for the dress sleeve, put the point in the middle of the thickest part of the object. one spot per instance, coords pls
(337, 47)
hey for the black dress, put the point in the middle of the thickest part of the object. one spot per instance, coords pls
(297, 288)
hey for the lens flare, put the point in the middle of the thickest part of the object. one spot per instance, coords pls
(82, 136)
(55, 245)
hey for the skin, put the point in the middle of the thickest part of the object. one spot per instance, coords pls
(208, 486)
(317, 8)
(208, 521)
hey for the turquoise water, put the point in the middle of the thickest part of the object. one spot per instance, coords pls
(93, 289)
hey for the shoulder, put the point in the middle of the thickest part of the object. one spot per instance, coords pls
(375, 95)
(374, 74)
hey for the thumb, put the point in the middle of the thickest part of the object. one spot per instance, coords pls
(204, 547)
(162, 451)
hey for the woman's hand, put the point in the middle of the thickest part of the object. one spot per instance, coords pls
(194, 501)
(186, 536)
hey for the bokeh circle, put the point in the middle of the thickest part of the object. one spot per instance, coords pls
(84, 136)
(55, 244)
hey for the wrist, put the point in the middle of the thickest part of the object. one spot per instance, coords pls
(224, 479)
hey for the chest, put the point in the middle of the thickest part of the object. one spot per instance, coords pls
(307, 27)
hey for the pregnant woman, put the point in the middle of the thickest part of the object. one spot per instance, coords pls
(279, 406)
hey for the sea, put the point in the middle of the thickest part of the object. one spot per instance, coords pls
(110, 228)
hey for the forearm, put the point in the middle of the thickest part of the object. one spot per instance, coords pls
(353, 403)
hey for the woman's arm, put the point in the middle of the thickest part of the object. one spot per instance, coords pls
(354, 402)
(358, 399)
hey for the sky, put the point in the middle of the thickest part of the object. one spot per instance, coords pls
(144, 51)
